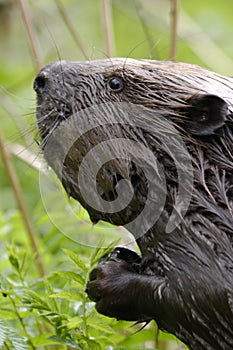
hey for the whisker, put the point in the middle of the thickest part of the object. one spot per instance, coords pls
(46, 138)
(43, 117)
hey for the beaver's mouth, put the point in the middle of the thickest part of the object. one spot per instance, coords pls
(108, 189)
(98, 191)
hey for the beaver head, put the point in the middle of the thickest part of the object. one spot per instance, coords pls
(120, 131)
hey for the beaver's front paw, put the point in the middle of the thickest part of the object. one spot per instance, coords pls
(116, 286)
(108, 287)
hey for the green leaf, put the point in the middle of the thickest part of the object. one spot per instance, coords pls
(3, 332)
(68, 342)
(73, 256)
(13, 257)
(14, 261)
(94, 345)
(51, 301)
(8, 315)
(72, 296)
(100, 252)
(34, 300)
(72, 276)
(44, 339)
(18, 342)
(74, 323)
(7, 333)
(97, 323)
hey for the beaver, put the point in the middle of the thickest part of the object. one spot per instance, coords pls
(148, 145)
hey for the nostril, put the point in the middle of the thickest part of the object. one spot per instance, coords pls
(40, 82)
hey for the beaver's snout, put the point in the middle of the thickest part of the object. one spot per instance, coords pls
(47, 77)
(41, 82)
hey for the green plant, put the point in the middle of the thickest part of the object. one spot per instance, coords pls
(37, 312)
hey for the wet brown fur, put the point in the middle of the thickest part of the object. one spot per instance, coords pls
(184, 279)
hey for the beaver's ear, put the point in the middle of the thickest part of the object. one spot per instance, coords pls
(206, 113)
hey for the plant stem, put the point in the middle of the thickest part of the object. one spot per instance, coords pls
(34, 44)
(108, 26)
(6, 346)
(142, 19)
(71, 28)
(21, 322)
(173, 30)
(21, 205)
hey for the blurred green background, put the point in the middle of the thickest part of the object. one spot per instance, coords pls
(140, 29)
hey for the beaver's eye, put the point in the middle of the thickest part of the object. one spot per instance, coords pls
(116, 84)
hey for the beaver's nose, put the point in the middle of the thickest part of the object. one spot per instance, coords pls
(41, 82)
